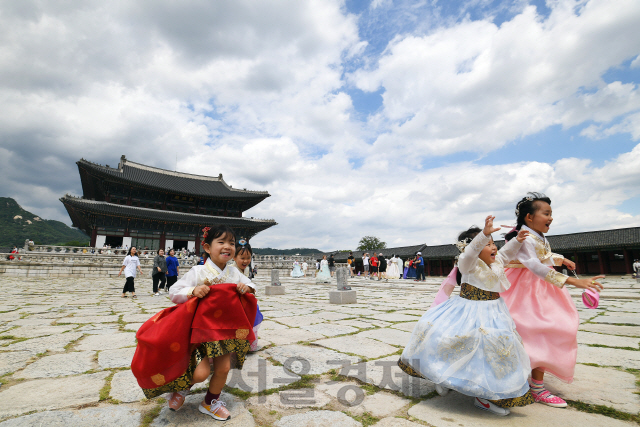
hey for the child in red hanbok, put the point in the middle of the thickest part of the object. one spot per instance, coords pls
(213, 319)
(544, 313)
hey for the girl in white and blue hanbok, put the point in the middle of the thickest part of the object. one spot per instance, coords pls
(324, 275)
(297, 271)
(469, 342)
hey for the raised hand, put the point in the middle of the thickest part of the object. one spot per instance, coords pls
(488, 226)
(522, 234)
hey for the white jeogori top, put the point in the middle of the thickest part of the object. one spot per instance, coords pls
(491, 277)
(207, 274)
(536, 256)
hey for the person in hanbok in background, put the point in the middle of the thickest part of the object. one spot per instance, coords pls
(242, 261)
(305, 267)
(469, 343)
(411, 271)
(324, 275)
(400, 264)
(392, 268)
(297, 271)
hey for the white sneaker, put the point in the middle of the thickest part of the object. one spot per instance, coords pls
(157, 294)
(488, 406)
(442, 391)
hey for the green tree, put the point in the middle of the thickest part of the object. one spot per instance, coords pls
(371, 243)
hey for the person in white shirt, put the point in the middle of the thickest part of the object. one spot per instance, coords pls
(365, 264)
(129, 266)
(305, 267)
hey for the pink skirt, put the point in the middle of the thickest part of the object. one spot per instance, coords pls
(547, 320)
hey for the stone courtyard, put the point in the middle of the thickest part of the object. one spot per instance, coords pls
(67, 346)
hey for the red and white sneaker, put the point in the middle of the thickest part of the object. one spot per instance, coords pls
(217, 410)
(549, 399)
(485, 405)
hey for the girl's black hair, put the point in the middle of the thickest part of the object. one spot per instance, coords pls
(524, 207)
(214, 233)
(129, 253)
(469, 234)
(246, 247)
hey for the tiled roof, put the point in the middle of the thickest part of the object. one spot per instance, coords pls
(601, 239)
(111, 209)
(165, 180)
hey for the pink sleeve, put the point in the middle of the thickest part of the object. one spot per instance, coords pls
(446, 288)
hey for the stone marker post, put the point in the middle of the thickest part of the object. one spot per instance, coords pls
(344, 294)
(275, 288)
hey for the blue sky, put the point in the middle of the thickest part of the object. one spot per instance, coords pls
(408, 120)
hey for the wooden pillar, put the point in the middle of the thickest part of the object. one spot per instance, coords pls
(163, 241)
(441, 268)
(577, 261)
(428, 268)
(94, 236)
(601, 262)
(628, 262)
(198, 248)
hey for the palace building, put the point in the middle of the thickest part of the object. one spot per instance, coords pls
(148, 207)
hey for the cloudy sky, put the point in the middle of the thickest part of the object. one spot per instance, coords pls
(405, 119)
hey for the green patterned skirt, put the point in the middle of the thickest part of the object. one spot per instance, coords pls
(205, 350)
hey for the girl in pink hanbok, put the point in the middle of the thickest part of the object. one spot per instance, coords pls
(545, 316)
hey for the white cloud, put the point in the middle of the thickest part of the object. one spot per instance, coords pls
(475, 86)
(255, 90)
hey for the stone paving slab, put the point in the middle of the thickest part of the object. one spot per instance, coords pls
(31, 321)
(271, 325)
(59, 365)
(296, 321)
(89, 319)
(125, 388)
(55, 343)
(329, 329)
(318, 419)
(107, 342)
(11, 361)
(617, 319)
(107, 416)
(599, 386)
(189, 414)
(317, 358)
(629, 331)
(609, 356)
(406, 326)
(361, 346)
(52, 394)
(354, 400)
(288, 336)
(394, 317)
(39, 331)
(98, 329)
(396, 422)
(356, 323)
(137, 318)
(133, 326)
(333, 315)
(388, 336)
(385, 373)
(608, 340)
(291, 399)
(120, 358)
(259, 374)
(456, 410)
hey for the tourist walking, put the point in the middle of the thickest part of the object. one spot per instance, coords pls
(332, 265)
(636, 270)
(305, 267)
(129, 266)
(365, 265)
(159, 272)
(373, 269)
(351, 261)
(324, 275)
(400, 267)
(392, 267)
(469, 342)
(539, 302)
(419, 263)
(297, 270)
(173, 268)
(382, 268)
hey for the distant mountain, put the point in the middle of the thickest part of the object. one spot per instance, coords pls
(295, 251)
(17, 225)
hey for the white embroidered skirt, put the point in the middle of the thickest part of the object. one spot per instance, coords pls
(472, 347)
